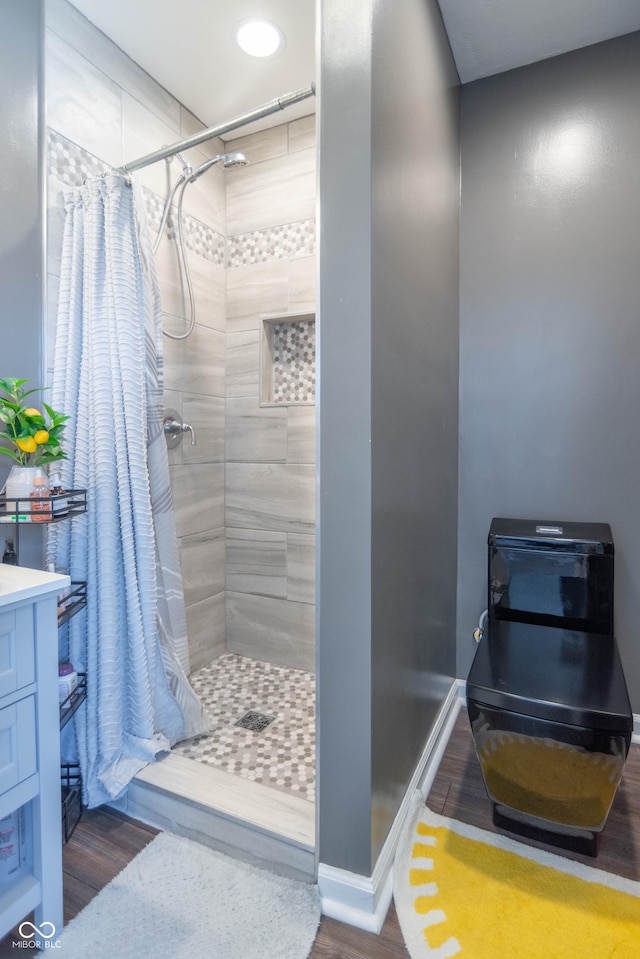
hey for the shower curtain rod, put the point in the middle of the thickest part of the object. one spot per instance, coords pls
(272, 106)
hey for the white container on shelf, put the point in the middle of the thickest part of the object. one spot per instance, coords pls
(67, 682)
(18, 492)
(60, 506)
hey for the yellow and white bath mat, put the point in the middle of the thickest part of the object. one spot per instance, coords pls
(461, 891)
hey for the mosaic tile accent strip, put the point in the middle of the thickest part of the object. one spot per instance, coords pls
(203, 240)
(278, 242)
(198, 237)
(154, 205)
(294, 362)
(283, 754)
(72, 165)
(69, 163)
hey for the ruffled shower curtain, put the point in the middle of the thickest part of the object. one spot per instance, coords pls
(132, 642)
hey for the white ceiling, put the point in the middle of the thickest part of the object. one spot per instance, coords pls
(491, 36)
(188, 46)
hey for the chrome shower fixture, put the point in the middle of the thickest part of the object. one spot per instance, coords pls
(229, 161)
(234, 160)
(280, 103)
(174, 429)
(187, 169)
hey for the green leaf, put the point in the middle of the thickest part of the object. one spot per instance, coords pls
(51, 457)
(56, 418)
(10, 384)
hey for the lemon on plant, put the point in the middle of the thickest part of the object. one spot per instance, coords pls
(27, 445)
(27, 435)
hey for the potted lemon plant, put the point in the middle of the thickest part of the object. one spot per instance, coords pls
(29, 437)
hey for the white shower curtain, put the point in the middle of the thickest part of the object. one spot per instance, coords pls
(132, 642)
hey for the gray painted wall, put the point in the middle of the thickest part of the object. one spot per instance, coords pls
(21, 222)
(388, 409)
(550, 305)
(414, 389)
(343, 401)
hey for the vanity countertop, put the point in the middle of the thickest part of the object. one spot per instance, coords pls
(20, 582)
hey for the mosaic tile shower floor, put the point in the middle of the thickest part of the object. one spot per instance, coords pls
(283, 754)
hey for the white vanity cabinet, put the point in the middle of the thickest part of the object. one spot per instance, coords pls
(30, 747)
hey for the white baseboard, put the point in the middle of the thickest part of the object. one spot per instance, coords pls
(352, 898)
(363, 901)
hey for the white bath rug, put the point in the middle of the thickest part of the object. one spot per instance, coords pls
(180, 900)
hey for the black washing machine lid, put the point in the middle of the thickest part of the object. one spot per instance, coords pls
(548, 535)
(560, 675)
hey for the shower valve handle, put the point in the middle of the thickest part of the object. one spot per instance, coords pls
(173, 429)
(186, 428)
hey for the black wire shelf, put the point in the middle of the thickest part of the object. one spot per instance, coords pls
(44, 509)
(73, 602)
(70, 706)
(71, 783)
(20, 513)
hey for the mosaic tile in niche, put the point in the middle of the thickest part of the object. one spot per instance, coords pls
(294, 362)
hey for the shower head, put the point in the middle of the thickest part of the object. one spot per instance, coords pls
(232, 161)
(229, 161)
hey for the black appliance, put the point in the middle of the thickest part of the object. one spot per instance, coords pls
(546, 694)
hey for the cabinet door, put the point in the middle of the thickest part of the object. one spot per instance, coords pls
(16, 649)
(17, 743)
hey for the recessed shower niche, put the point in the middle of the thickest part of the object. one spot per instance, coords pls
(288, 359)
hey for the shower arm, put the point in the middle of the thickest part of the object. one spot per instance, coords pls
(272, 106)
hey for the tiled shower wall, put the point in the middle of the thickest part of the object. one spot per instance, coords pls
(102, 111)
(270, 451)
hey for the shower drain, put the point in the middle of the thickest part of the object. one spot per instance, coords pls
(254, 721)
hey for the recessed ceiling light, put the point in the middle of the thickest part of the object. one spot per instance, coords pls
(258, 38)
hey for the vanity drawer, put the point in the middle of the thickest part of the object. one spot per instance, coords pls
(17, 666)
(17, 742)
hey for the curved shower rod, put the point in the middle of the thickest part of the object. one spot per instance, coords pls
(272, 106)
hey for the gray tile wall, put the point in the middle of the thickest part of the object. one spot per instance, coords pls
(270, 451)
(102, 111)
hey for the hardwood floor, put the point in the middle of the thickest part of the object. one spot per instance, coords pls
(105, 841)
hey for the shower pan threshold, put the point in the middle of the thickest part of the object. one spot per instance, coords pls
(244, 819)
